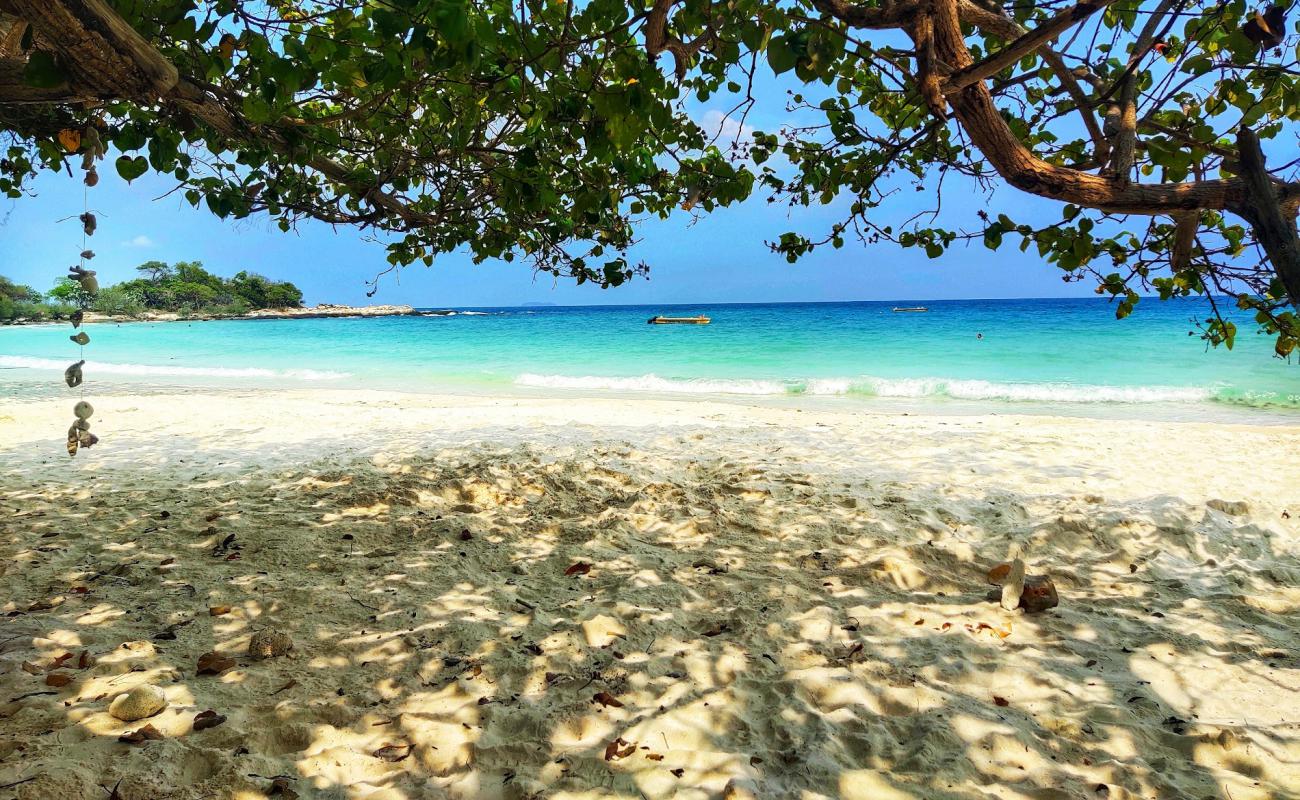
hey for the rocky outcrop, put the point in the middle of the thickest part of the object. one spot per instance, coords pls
(307, 312)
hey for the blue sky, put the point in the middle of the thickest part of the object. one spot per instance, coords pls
(717, 258)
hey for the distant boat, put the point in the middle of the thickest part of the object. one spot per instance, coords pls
(660, 320)
(900, 309)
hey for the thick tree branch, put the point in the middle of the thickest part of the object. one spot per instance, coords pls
(1274, 227)
(889, 14)
(658, 39)
(102, 54)
(1125, 147)
(1023, 45)
(15, 90)
(1000, 25)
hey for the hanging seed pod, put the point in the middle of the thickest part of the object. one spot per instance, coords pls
(91, 141)
(76, 318)
(83, 410)
(74, 440)
(88, 223)
(86, 277)
(87, 254)
(82, 338)
(70, 139)
(81, 425)
(87, 440)
(87, 160)
(92, 177)
(72, 375)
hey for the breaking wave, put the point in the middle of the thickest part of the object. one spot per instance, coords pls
(149, 370)
(914, 388)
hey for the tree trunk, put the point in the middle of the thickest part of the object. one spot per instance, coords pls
(1274, 227)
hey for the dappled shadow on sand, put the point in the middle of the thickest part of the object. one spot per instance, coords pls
(728, 628)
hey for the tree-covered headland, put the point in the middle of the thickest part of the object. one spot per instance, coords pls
(184, 288)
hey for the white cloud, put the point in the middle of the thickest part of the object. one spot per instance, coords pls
(727, 129)
(140, 241)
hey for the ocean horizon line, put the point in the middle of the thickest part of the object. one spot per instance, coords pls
(1200, 300)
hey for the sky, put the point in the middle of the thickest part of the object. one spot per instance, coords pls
(719, 257)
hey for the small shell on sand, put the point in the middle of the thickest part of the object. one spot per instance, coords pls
(140, 702)
(83, 410)
(1013, 585)
(269, 643)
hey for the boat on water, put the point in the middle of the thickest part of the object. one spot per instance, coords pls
(902, 309)
(661, 320)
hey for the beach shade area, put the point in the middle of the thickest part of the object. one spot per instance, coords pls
(433, 597)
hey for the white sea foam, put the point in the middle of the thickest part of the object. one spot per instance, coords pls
(147, 370)
(883, 387)
(653, 383)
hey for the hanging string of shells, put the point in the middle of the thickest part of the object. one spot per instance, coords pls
(91, 147)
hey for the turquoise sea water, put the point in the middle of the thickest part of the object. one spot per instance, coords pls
(1058, 353)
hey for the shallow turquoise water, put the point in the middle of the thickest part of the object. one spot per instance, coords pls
(1054, 352)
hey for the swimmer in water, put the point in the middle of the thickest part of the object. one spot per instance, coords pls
(979, 336)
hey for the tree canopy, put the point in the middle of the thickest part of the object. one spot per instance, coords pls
(545, 130)
(184, 287)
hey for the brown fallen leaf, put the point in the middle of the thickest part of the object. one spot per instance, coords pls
(580, 568)
(998, 574)
(214, 663)
(57, 679)
(286, 687)
(218, 611)
(207, 719)
(1001, 701)
(393, 752)
(619, 749)
(213, 517)
(607, 699)
(167, 562)
(654, 756)
(32, 669)
(754, 761)
(58, 662)
(80, 590)
(146, 734)
(679, 772)
(85, 660)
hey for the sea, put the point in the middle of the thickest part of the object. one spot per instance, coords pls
(1061, 356)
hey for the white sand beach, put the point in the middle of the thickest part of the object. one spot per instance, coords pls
(607, 598)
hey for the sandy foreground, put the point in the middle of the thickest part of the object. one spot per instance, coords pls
(759, 601)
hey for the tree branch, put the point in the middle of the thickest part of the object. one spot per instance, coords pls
(1274, 227)
(1025, 44)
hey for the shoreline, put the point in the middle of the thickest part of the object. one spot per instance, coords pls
(41, 384)
(320, 310)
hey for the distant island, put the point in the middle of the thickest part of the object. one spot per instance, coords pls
(172, 292)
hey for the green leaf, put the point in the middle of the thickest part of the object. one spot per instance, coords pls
(780, 55)
(131, 168)
(42, 71)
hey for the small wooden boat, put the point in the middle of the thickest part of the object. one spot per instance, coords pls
(660, 320)
(901, 309)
